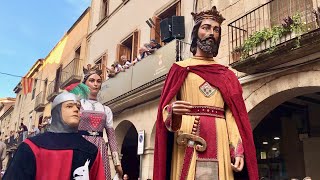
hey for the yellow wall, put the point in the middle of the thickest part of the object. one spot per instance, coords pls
(61, 54)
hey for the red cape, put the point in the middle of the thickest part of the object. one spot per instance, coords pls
(230, 88)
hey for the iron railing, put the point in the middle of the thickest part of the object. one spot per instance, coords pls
(53, 89)
(269, 25)
(39, 100)
(71, 73)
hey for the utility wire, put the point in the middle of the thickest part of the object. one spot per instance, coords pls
(10, 74)
(13, 75)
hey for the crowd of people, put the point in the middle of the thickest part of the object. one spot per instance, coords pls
(16, 137)
(125, 63)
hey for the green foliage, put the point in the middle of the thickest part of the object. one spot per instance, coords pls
(273, 34)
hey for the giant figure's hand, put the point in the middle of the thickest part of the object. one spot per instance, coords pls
(118, 169)
(181, 107)
(238, 164)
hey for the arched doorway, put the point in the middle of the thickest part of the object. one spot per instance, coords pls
(287, 139)
(127, 134)
(284, 110)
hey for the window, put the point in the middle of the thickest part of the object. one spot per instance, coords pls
(34, 89)
(99, 62)
(102, 62)
(203, 5)
(77, 53)
(105, 9)
(19, 100)
(40, 120)
(174, 10)
(281, 9)
(57, 80)
(45, 88)
(129, 47)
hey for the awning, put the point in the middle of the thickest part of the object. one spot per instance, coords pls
(47, 111)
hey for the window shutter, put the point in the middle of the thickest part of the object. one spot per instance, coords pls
(104, 61)
(155, 32)
(122, 50)
(178, 9)
(135, 44)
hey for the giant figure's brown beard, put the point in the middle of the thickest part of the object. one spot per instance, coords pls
(208, 45)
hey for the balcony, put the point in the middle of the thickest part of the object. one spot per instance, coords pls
(53, 90)
(72, 73)
(40, 103)
(141, 82)
(274, 34)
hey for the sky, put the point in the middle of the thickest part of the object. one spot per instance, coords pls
(28, 31)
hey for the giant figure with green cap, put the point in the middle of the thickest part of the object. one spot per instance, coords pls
(96, 117)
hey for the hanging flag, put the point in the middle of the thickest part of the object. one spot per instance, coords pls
(26, 85)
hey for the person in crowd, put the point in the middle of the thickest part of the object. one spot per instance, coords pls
(16, 137)
(95, 117)
(143, 52)
(3, 154)
(111, 71)
(125, 62)
(45, 125)
(11, 138)
(154, 45)
(61, 153)
(34, 131)
(6, 139)
(24, 131)
(125, 177)
(118, 67)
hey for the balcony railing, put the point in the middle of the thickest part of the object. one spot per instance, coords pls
(40, 103)
(53, 90)
(272, 28)
(143, 79)
(72, 73)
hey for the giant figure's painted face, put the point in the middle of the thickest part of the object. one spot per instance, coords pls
(94, 83)
(209, 37)
(70, 112)
(206, 35)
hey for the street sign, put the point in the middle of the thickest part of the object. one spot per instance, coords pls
(140, 142)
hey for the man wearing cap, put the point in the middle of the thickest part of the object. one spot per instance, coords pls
(202, 127)
(61, 153)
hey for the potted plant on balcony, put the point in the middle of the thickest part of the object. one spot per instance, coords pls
(236, 53)
(267, 39)
(254, 42)
(286, 29)
(297, 28)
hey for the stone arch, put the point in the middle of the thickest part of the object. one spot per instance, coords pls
(121, 131)
(127, 137)
(275, 92)
(153, 135)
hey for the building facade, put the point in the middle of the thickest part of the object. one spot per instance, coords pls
(273, 47)
(7, 126)
(24, 105)
(6, 107)
(62, 67)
